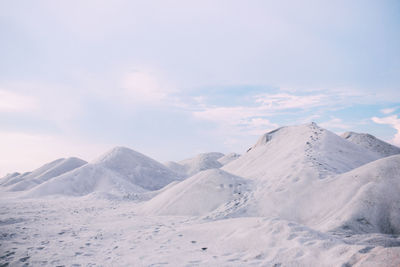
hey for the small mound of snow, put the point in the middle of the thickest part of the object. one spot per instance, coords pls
(197, 195)
(201, 162)
(137, 168)
(372, 143)
(228, 158)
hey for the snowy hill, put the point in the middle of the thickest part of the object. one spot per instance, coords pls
(365, 199)
(289, 161)
(120, 171)
(296, 152)
(301, 196)
(201, 162)
(372, 143)
(198, 195)
(42, 174)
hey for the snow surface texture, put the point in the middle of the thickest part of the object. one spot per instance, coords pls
(372, 143)
(301, 196)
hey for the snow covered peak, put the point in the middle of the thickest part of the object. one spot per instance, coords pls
(371, 143)
(286, 131)
(117, 153)
(293, 152)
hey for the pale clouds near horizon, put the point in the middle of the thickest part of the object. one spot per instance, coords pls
(173, 78)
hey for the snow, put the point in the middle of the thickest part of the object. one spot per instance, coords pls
(43, 174)
(137, 168)
(200, 162)
(198, 195)
(228, 158)
(301, 196)
(119, 172)
(372, 143)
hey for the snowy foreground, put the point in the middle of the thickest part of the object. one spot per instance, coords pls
(301, 196)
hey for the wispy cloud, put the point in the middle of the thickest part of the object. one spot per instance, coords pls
(388, 110)
(335, 123)
(289, 101)
(257, 117)
(394, 122)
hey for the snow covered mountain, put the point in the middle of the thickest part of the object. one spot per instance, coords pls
(372, 143)
(20, 182)
(119, 171)
(301, 196)
(294, 153)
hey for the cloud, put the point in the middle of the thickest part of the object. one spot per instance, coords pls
(13, 102)
(394, 122)
(237, 120)
(289, 101)
(335, 123)
(388, 110)
(255, 118)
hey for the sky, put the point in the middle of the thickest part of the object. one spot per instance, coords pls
(171, 79)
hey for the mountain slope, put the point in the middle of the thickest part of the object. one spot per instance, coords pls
(295, 152)
(372, 143)
(119, 171)
(228, 158)
(366, 199)
(289, 161)
(198, 195)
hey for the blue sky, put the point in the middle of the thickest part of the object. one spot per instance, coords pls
(174, 78)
